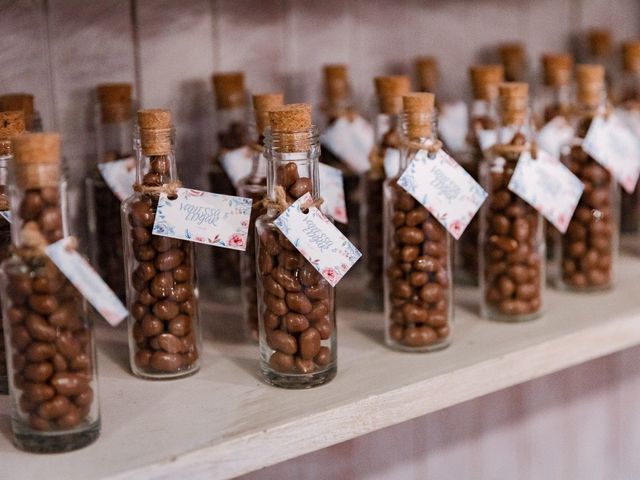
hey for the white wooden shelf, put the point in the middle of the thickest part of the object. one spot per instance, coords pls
(224, 421)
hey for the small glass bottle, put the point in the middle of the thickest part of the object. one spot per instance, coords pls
(628, 99)
(554, 99)
(512, 247)
(338, 103)
(162, 290)
(418, 292)
(231, 127)
(25, 103)
(296, 304)
(11, 125)
(389, 91)
(114, 131)
(483, 116)
(589, 248)
(49, 334)
(513, 59)
(427, 74)
(254, 186)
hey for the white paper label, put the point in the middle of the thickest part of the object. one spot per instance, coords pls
(631, 118)
(351, 141)
(444, 188)
(119, 175)
(237, 163)
(391, 162)
(486, 138)
(453, 125)
(614, 146)
(554, 135)
(318, 240)
(87, 281)
(548, 186)
(6, 215)
(203, 217)
(332, 191)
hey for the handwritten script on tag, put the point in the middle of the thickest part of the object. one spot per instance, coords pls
(554, 135)
(391, 162)
(351, 141)
(119, 175)
(318, 240)
(332, 191)
(614, 146)
(87, 281)
(453, 125)
(548, 186)
(444, 188)
(203, 217)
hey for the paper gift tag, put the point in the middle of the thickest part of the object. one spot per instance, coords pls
(554, 135)
(351, 141)
(332, 191)
(548, 186)
(203, 217)
(318, 240)
(612, 144)
(631, 118)
(444, 188)
(391, 162)
(119, 175)
(6, 215)
(237, 163)
(87, 281)
(486, 138)
(453, 125)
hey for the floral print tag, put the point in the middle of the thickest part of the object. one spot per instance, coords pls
(318, 240)
(203, 217)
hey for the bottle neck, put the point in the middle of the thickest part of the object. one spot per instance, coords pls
(628, 94)
(231, 127)
(514, 127)
(387, 130)
(155, 156)
(114, 140)
(416, 128)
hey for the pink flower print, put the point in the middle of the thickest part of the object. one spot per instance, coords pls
(199, 239)
(235, 240)
(339, 213)
(330, 274)
(456, 228)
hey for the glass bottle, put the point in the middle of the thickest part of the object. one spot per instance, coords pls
(418, 292)
(589, 248)
(482, 117)
(25, 103)
(512, 247)
(296, 304)
(114, 133)
(338, 103)
(513, 59)
(628, 99)
(11, 124)
(389, 91)
(162, 290)
(254, 186)
(49, 334)
(231, 127)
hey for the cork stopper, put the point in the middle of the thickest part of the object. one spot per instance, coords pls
(229, 90)
(485, 80)
(155, 131)
(336, 82)
(291, 124)
(390, 90)
(11, 124)
(17, 101)
(419, 109)
(557, 68)
(512, 58)
(263, 104)
(427, 73)
(599, 42)
(115, 102)
(514, 99)
(36, 159)
(590, 84)
(631, 56)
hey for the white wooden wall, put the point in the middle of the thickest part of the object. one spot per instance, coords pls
(580, 423)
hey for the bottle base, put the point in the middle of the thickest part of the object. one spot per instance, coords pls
(51, 442)
(566, 287)
(165, 376)
(298, 381)
(435, 347)
(504, 318)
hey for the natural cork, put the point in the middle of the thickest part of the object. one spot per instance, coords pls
(590, 84)
(514, 99)
(291, 124)
(512, 57)
(557, 68)
(599, 43)
(263, 104)
(631, 56)
(11, 124)
(115, 102)
(336, 82)
(418, 109)
(229, 90)
(427, 73)
(155, 131)
(390, 90)
(17, 101)
(36, 159)
(485, 80)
